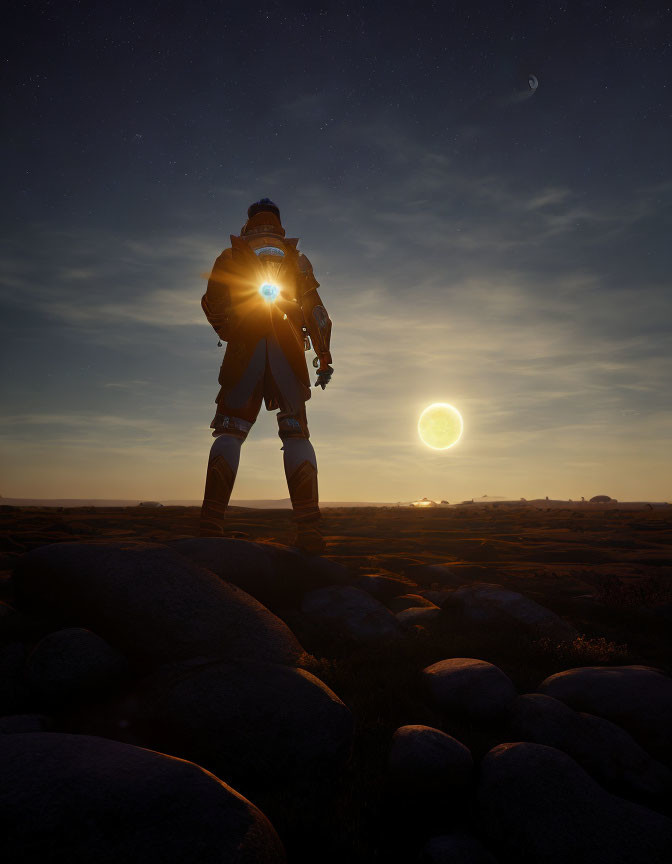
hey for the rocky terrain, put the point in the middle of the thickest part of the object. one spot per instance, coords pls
(448, 685)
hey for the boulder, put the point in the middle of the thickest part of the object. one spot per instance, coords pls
(448, 575)
(493, 606)
(537, 804)
(409, 601)
(638, 698)
(150, 602)
(607, 752)
(240, 562)
(311, 571)
(384, 586)
(272, 574)
(437, 597)
(17, 627)
(424, 759)
(6, 584)
(472, 688)
(73, 662)
(455, 849)
(78, 798)
(13, 686)
(12, 724)
(9, 622)
(351, 612)
(424, 616)
(253, 724)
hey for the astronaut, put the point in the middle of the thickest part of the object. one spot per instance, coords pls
(262, 300)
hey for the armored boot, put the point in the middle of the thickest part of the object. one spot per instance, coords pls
(302, 485)
(219, 480)
(309, 538)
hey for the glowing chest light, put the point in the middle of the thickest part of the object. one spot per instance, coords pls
(272, 257)
(269, 291)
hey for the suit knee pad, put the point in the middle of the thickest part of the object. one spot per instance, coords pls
(292, 426)
(224, 424)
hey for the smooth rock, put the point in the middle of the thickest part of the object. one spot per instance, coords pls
(13, 685)
(352, 613)
(638, 698)
(409, 601)
(427, 759)
(240, 562)
(493, 606)
(6, 584)
(424, 616)
(312, 571)
(272, 574)
(437, 597)
(607, 752)
(78, 798)
(661, 612)
(447, 575)
(9, 621)
(252, 724)
(469, 687)
(73, 662)
(455, 849)
(13, 724)
(151, 603)
(384, 586)
(537, 804)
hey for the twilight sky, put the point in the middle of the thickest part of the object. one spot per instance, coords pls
(505, 251)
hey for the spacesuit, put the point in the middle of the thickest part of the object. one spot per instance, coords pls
(262, 300)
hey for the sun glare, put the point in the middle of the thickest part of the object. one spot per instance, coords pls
(440, 426)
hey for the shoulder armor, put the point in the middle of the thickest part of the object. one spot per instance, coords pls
(222, 263)
(306, 271)
(304, 263)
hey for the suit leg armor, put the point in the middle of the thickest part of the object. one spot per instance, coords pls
(220, 477)
(301, 473)
(298, 454)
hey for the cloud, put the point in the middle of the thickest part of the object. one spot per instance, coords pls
(513, 300)
(127, 437)
(88, 278)
(134, 385)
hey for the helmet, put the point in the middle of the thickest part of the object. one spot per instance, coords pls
(264, 205)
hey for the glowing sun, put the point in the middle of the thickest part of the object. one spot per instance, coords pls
(440, 426)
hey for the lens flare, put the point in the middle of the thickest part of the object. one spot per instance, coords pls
(269, 291)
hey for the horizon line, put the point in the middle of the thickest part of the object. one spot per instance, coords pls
(285, 503)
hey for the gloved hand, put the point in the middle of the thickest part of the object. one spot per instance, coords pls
(324, 373)
(324, 377)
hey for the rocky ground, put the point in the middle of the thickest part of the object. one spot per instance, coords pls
(467, 685)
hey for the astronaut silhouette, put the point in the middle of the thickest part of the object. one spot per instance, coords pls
(262, 301)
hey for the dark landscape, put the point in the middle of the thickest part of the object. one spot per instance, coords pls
(396, 700)
(428, 245)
